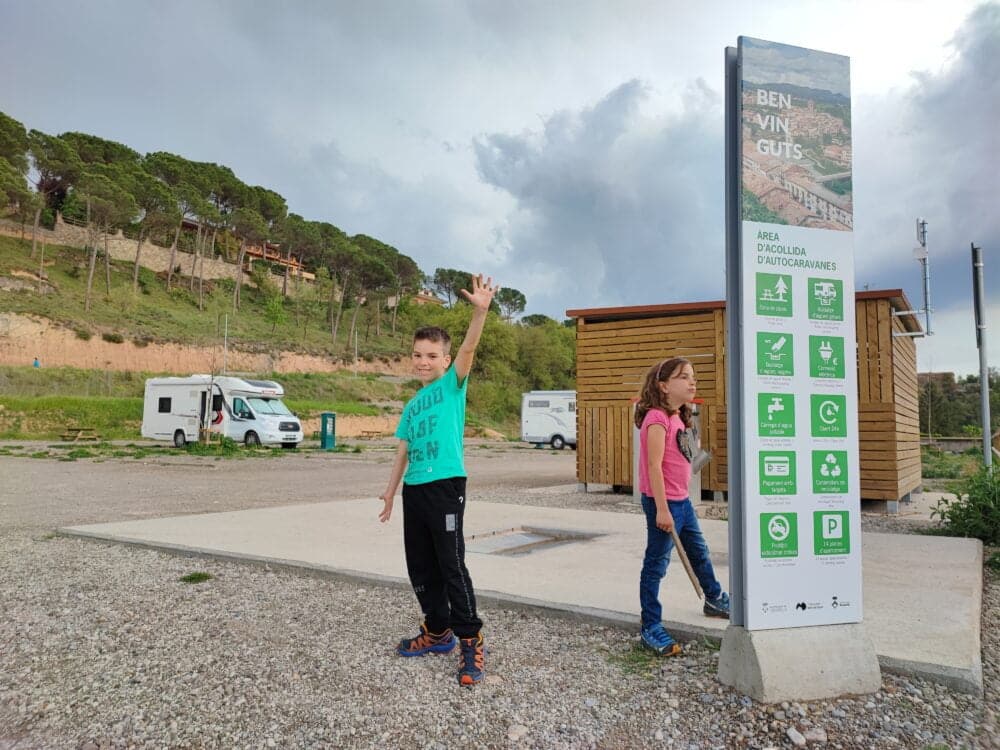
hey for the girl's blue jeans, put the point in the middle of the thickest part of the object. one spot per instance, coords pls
(658, 547)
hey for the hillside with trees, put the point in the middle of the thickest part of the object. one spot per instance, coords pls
(299, 284)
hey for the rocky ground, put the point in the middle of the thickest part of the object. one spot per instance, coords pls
(103, 646)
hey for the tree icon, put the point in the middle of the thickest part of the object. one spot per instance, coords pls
(780, 289)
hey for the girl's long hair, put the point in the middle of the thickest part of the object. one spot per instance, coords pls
(651, 397)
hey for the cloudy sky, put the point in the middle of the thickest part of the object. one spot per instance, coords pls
(574, 150)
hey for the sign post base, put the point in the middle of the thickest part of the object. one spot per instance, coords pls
(796, 664)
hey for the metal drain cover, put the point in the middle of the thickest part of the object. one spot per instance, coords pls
(522, 540)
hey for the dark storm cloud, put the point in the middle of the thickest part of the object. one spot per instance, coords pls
(616, 208)
(613, 207)
(933, 150)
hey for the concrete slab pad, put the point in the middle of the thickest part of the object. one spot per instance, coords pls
(922, 601)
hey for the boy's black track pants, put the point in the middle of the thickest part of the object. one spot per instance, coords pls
(435, 555)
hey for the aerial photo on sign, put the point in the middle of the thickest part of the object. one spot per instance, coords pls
(796, 138)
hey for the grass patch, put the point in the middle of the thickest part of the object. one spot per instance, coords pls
(196, 577)
(225, 448)
(103, 451)
(938, 464)
(636, 661)
(47, 417)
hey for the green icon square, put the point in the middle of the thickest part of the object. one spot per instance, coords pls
(779, 535)
(774, 354)
(829, 472)
(777, 473)
(828, 415)
(775, 415)
(826, 299)
(826, 357)
(831, 532)
(774, 294)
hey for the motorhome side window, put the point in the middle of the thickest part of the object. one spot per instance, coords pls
(572, 406)
(164, 406)
(538, 404)
(240, 409)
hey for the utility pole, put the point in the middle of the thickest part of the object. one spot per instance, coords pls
(979, 305)
(921, 254)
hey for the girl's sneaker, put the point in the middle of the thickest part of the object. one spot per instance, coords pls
(656, 638)
(427, 643)
(717, 607)
(472, 667)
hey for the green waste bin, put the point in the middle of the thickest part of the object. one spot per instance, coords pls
(328, 431)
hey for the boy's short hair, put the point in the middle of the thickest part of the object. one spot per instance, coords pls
(434, 334)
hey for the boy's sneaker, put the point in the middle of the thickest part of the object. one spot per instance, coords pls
(427, 643)
(656, 638)
(472, 667)
(717, 607)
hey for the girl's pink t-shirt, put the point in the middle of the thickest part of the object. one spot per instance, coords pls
(676, 468)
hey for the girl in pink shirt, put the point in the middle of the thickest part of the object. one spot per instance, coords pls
(663, 416)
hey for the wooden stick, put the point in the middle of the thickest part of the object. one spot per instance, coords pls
(687, 563)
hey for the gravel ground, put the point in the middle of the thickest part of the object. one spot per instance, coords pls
(101, 646)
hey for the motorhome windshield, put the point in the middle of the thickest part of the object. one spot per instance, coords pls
(269, 406)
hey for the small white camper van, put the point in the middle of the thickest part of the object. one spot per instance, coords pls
(549, 417)
(248, 411)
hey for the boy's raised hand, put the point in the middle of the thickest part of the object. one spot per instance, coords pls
(482, 292)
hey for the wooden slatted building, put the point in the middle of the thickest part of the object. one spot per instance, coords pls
(616, 345)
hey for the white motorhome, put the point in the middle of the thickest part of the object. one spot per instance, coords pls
(549, 417)
(248, 411)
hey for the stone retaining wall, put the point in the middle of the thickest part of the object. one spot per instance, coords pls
(153, 257)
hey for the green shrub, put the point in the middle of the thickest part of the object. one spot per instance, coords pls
(975, 510)
(47, 219)
(82, 333)
(141, 341)
(993, 562)
(113, 338)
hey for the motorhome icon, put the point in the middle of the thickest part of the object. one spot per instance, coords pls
(825, 292)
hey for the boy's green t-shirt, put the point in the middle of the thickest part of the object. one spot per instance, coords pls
(433, 425)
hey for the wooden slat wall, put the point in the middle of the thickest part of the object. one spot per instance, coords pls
(611, 361)
(613, 356)
(904, 362)
(888, 427)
